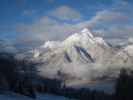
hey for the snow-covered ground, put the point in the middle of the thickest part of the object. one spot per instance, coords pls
(13, 96)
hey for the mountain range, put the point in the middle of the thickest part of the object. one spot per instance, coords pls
(81, 56)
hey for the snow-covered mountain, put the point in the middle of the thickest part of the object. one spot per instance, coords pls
(81, 56)
(82, 44)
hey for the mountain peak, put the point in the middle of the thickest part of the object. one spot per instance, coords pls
(84, 36)
(87, 31)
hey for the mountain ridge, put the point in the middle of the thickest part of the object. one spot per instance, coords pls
(81, 56)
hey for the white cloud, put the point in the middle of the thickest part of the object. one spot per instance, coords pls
(7, 46)
(111, 23)
(47, 29)
(107, 16)
(114, 23)
(66, 13)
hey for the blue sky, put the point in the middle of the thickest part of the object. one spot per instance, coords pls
(26, 21)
